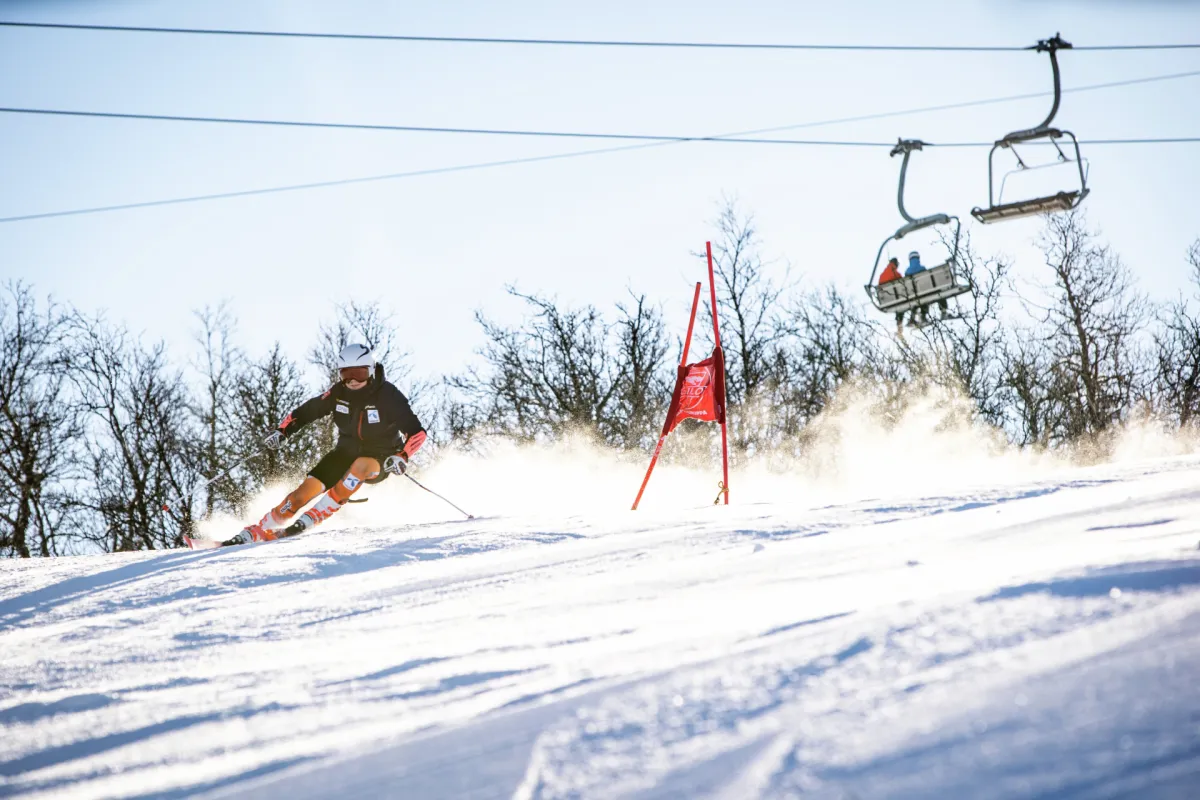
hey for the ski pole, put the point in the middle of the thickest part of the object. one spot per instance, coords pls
(435, 494)
(215, 478)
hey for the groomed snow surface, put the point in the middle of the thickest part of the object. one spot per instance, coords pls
(1001, 628)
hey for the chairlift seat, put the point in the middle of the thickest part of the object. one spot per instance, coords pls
(1062, 201)
(914, 291)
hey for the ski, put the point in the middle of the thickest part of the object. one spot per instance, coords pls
(211, 544)
(201, 544)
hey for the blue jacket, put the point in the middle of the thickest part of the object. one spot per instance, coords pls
(914, 266)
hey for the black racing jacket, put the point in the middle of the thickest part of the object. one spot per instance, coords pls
(375, 420)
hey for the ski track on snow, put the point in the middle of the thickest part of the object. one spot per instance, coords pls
(1036, 639)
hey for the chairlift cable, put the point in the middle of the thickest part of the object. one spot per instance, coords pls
(729, 137)
(565, 42)
(119, 115)
(328, 184)
(460, 168)
(605, 150)
(636, 137)
(972, 103)
(484, 131)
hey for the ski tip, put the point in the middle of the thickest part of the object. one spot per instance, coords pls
(200, 544)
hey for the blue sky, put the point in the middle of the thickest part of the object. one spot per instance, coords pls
(436, 248)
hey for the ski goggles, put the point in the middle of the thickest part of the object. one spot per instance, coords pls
(360, 374)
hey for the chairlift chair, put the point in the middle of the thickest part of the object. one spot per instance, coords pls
(1059, 201)
(934, 284)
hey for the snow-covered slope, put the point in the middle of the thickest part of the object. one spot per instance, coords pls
(1037, 638)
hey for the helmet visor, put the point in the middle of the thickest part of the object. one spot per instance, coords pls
(359, 374)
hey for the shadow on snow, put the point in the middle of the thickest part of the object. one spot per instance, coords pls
(303, 566)
(1144, 576)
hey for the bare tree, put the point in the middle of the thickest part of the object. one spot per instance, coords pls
(218, 366)
(643, 383)
(966, 351)
(566, 371)
(450, 416)
(1094, 319)
(550, 375)
(37, 425)
(264, 392)
(143, 454)
(1177, 353)
(829, 342)
(1033, 388)
(748, 302)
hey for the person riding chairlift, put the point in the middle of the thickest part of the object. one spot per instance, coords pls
(915, 267)
(914, 264)
(891, 272)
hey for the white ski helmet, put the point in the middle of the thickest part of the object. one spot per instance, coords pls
(355, 355)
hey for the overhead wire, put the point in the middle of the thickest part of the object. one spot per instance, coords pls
(737, 138)
(318, 184)
(641, 137)
(976, 103)
(382, 37)
(626, 147)
(413, 174)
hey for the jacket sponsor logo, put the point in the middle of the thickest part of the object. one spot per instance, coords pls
(342, 408)
(372, 415)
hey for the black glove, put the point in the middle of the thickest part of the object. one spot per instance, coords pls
(273, 441)
(395, 464)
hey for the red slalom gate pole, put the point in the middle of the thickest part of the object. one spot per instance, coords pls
(712, 287)
(687, 342)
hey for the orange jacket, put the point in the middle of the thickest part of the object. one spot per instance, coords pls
(889, 274)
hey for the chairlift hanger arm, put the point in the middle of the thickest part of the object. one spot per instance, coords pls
(1051, 46)
(906, 147)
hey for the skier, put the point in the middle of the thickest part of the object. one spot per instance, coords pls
(377, 434)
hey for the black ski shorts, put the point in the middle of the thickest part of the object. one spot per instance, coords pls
(336, 463)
